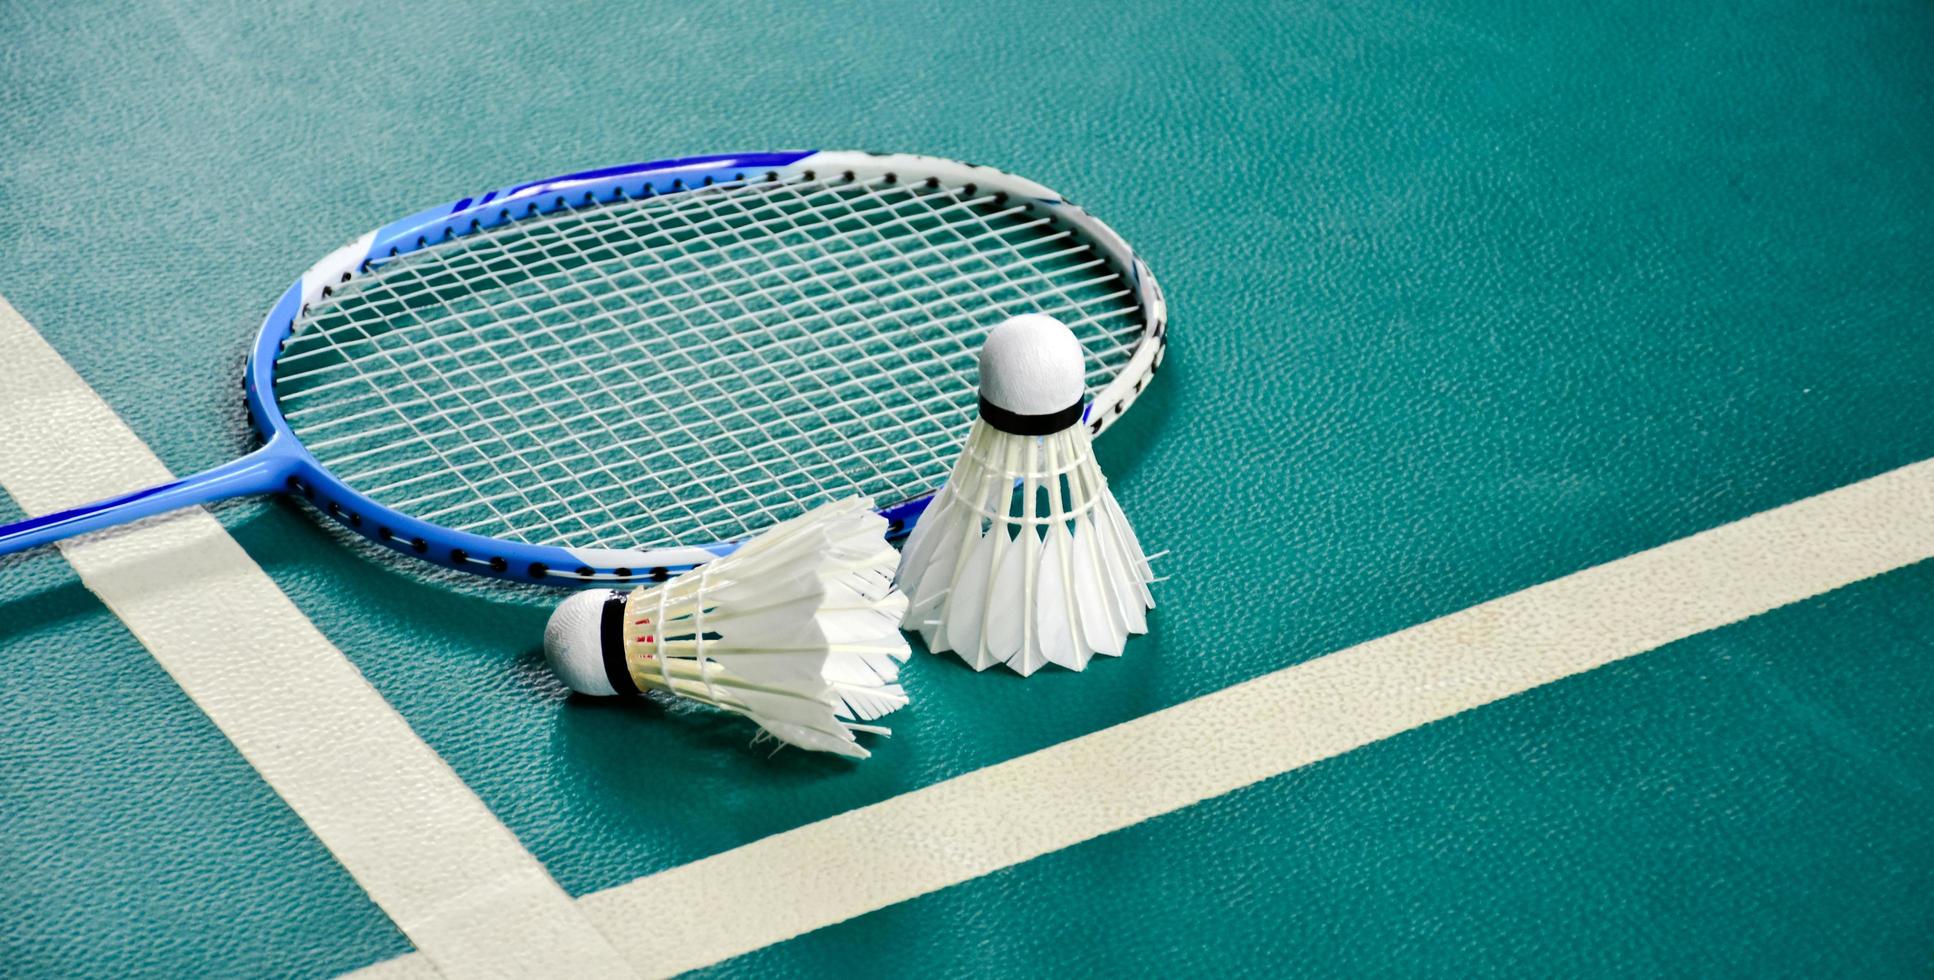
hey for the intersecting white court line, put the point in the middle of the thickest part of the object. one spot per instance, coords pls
(471, 899)
(867, 859)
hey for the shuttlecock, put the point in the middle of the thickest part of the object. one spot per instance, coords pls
(1024, 558)
(798, 630)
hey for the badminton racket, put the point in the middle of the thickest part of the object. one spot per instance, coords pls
(616, 374)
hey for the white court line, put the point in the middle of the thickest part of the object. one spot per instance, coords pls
(424, 847)
(867, 859)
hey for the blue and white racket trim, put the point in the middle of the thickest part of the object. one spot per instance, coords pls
(767, 254)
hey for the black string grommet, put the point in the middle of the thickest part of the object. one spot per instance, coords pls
(622, 572)
(459, 555)
(538, 569)
(498, 564)
(586, 571)
(420, 545)
(660, 574)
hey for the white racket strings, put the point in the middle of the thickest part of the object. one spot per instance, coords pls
(685, 367)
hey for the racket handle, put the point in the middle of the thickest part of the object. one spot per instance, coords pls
(262, 471)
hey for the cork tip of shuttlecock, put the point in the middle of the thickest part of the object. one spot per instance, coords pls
(574, 642)
(1031, 366)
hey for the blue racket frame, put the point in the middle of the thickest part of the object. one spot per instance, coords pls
(283, 465)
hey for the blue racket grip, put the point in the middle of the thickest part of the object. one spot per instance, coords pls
(262, 471)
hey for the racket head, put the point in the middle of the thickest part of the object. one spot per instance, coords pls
(418, 532)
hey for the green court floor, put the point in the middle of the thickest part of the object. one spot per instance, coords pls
(1466, 297)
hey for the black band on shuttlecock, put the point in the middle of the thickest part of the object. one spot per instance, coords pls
(611, 640)
(1029, 425)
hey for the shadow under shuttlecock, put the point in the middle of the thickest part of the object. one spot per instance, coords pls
(607, 738)
(949, 660)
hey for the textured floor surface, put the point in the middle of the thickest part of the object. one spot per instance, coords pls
(1466, 297)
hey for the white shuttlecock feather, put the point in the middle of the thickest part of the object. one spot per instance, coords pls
(1024, 558)
(798, 630)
